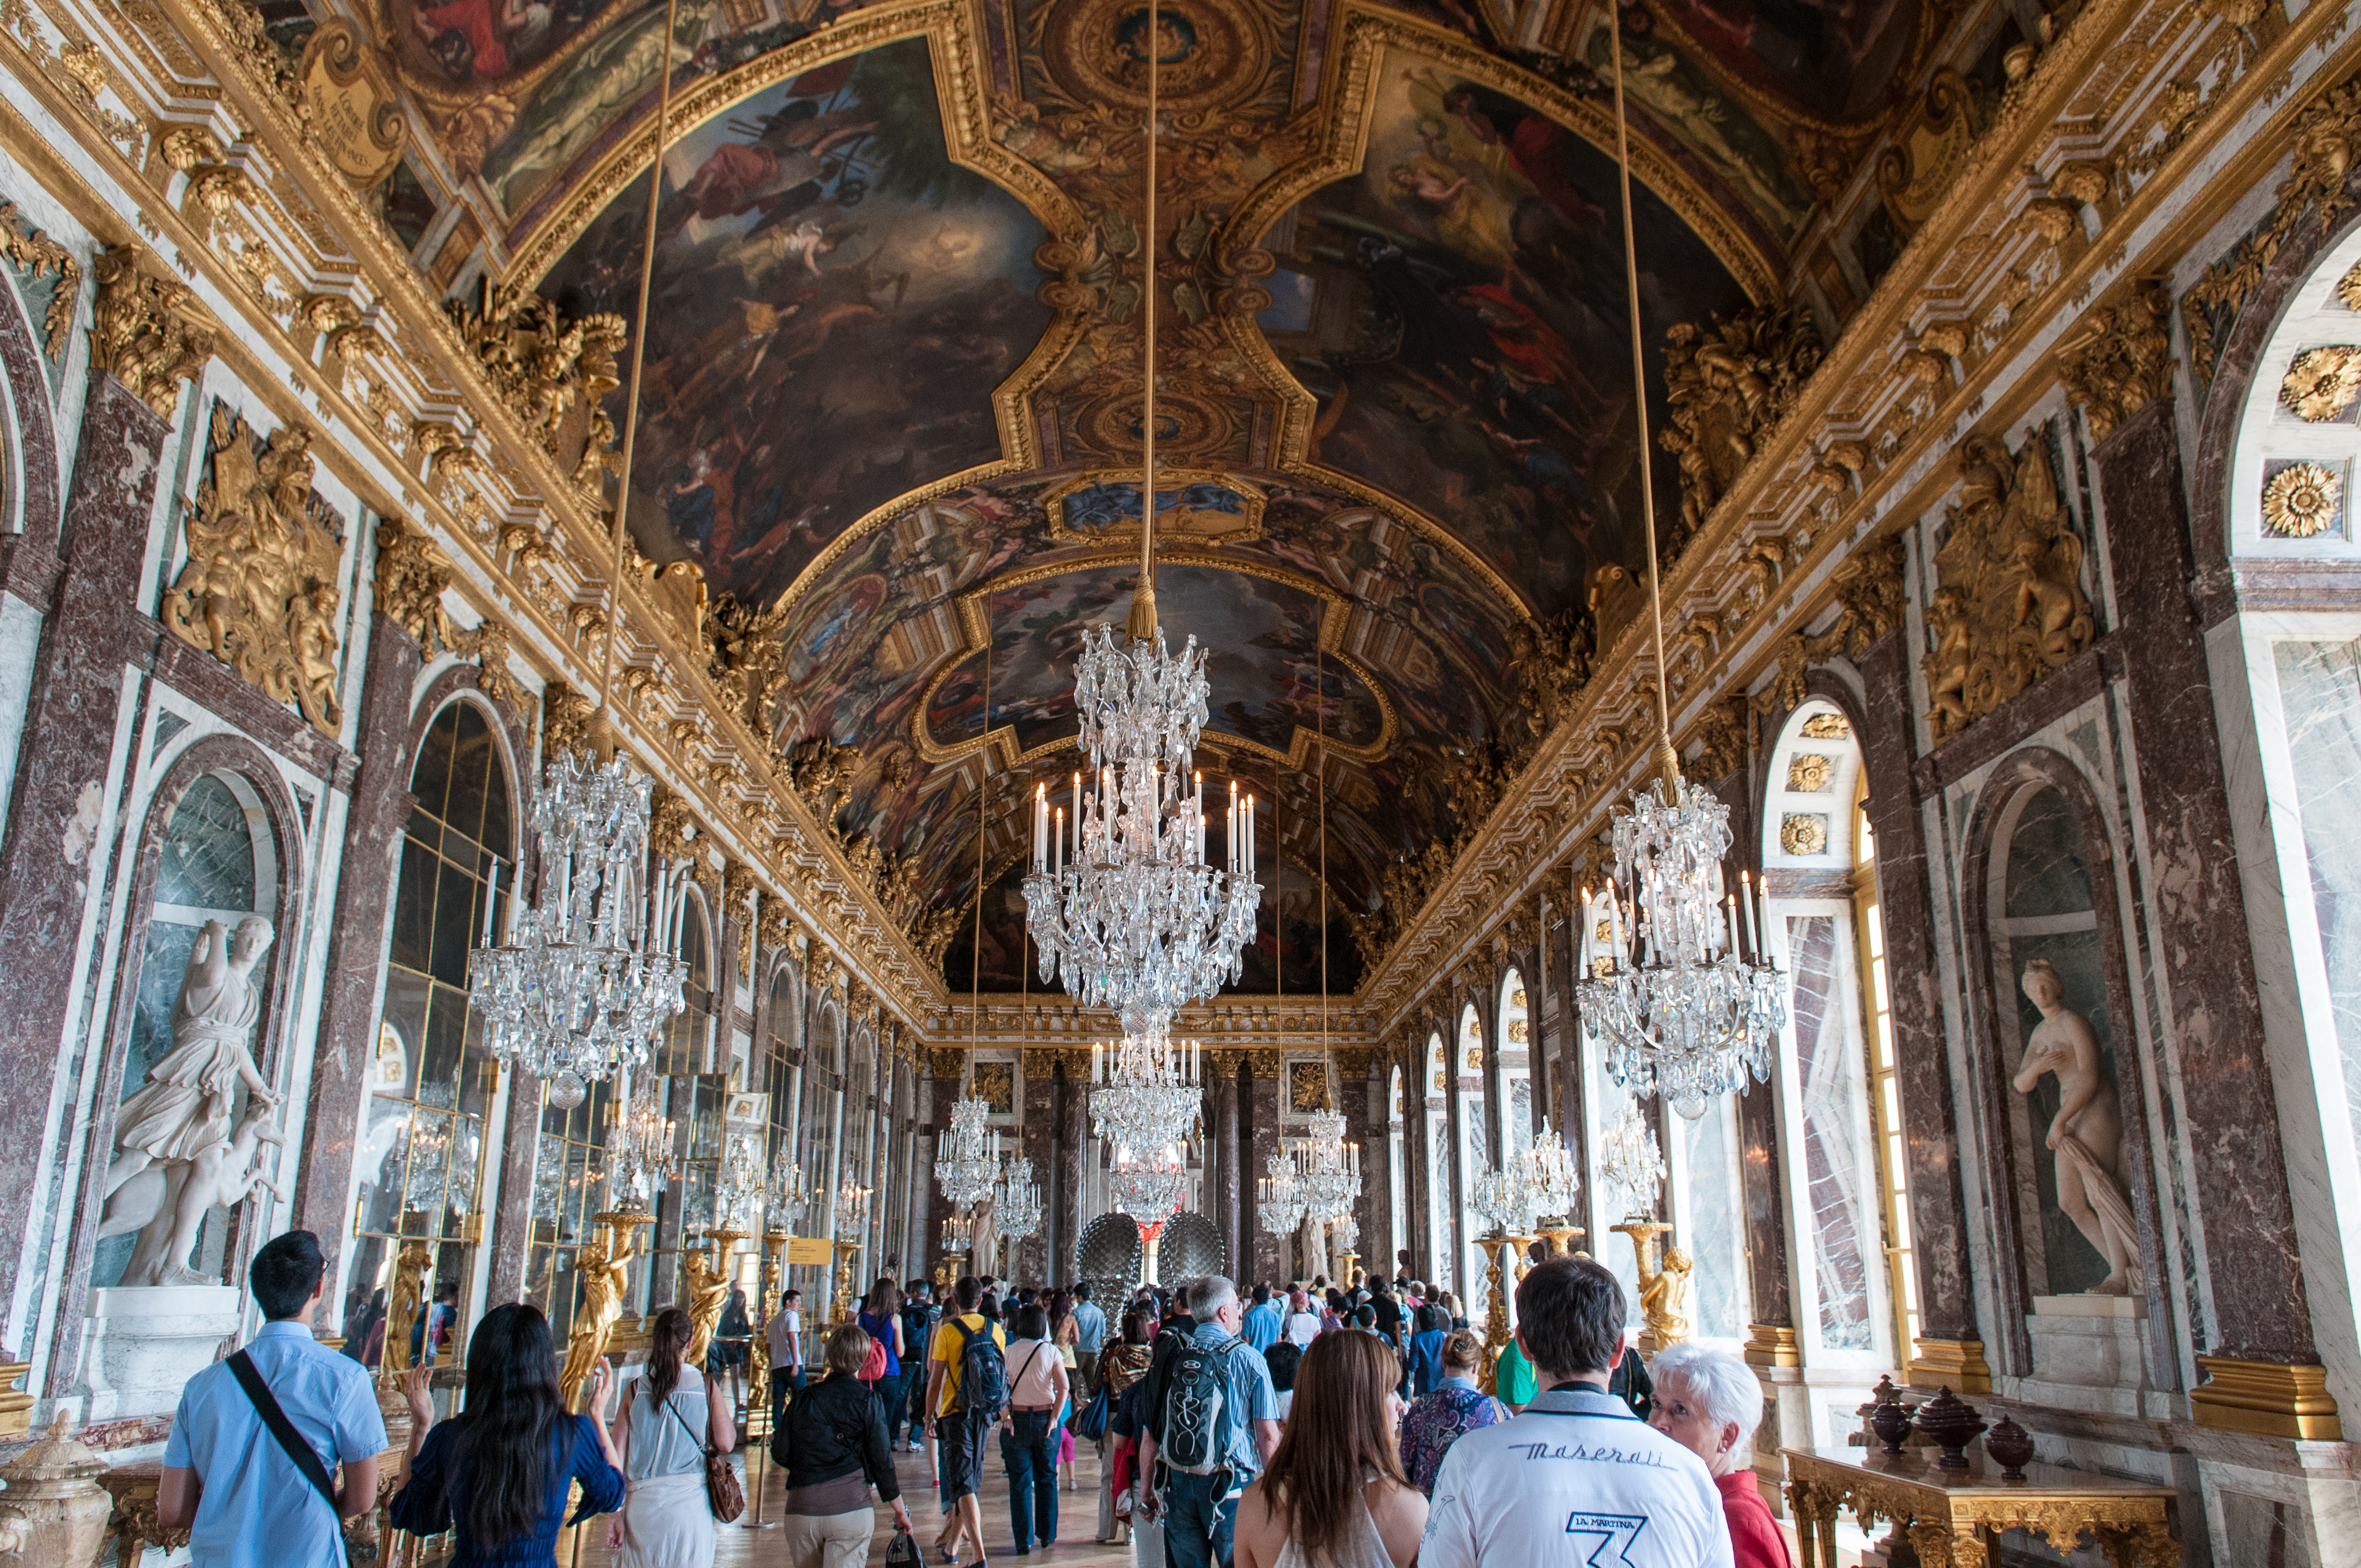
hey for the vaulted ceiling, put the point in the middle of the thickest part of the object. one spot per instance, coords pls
(891, 402)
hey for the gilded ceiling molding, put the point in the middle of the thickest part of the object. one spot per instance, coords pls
(1335, 623)
(148, 333)
(36, 254)
(2119, 359)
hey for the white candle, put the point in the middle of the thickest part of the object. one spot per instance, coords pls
(1732, 912)
(1746, 887)
(1059, 864)
(1586, 942)
(1762, 892)
(491, 898)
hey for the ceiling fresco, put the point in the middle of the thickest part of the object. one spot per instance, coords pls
(892, 382)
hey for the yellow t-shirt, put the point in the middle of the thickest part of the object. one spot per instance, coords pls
(949, 1342)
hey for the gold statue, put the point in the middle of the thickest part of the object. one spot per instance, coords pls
(708, 1288)
(411, 1267)
(601, 1267)
(1662, 1296)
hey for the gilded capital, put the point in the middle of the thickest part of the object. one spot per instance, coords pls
(148, 333)
(2119, 359)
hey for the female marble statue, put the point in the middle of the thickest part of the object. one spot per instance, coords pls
(2088, 1131)
(184, 1109)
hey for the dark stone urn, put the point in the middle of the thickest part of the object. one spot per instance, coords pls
(1951, 1423)
(1890, 1418)
(2010, 1446)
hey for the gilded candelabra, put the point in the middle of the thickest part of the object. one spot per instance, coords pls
(708, 1290)
(1664, 1283)
(603, 1269)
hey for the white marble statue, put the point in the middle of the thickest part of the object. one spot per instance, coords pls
(172, 1140)
(2088, 1131)
(167, 1204)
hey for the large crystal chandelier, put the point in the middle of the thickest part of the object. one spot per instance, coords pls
(784, 1197)
(1145, 1090)
(1016, 1202)
(593, 972)
(1630, 1166)
(967, 1157)
(739, 1189)
(1551, 1179)
(1680, 1010)
(1127, 906)
(1327, 1169)
(1148, 1186)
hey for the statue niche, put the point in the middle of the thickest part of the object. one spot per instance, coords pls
(176, 1156)
(2009, 606)
(2087, 1132)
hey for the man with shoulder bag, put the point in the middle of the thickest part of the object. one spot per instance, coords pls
(1210, 1423)
(257, 1436)
(967, 1387)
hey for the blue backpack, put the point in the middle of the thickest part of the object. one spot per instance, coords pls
(984, 1373)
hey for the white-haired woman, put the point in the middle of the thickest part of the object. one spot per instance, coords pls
(1708, 1400)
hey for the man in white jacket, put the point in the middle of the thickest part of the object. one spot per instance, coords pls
(1578, 1479)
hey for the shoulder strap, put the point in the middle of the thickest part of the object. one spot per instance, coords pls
(299, 1453)
(683, 1420)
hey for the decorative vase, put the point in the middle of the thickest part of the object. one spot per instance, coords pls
(2011, 1447)
(1951, 1423)
(1890, 1420)
(54, 1512)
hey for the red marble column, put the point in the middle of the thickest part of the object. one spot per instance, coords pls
(1221, 1121)
(1939, 1232)
(2254, 1280)
(1030, 1257)
(353, 994)
(1073, 1140)
(1262, 1101)
(53, 848)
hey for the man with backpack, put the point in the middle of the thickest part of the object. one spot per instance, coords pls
(967, 1389)
(1211, 1417)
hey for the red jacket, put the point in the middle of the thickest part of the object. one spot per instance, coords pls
(1754, 1535)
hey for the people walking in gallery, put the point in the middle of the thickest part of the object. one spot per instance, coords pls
(1335, 1495)
(1454, 1408)
(786, 1338)
(1031, 1430)
(666, 1417)
(1708, 1400)
(881, 1320)
(496, 1472)
(967, 1386)
(229, 1476)
(1210, 1424)
(1578, 1479)
(1121, 1365)
(832, 1449)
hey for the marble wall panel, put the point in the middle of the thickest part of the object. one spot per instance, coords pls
(2320, 695)
(1839, 1178)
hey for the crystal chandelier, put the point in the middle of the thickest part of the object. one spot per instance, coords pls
(852, 1206)
(1279, 1207)
(739, 1193)
(1138, 919)
(1629, 1163)
(785, 1197)
(1549, 1175)
(1680, 1012)
(594, 970)
(1150, 1187)
(641, 1158)
(967, 1158)
(1501, 1202)
(1145, 1090)
(1017, 1204)
(1327, 1170)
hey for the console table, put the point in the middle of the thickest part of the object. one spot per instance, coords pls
(1952, 1515)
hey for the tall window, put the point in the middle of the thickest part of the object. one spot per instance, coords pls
(782, 1074)
(216, 863)
(692, 1085)
(1397, 1177)
(1474, 1095)
(1884, 1090)
(422, 1142)
(1438, 1161)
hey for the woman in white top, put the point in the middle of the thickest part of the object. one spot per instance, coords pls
(1302, 1324)
(1335, 1495)
(665, 1420)
(1037, 1391)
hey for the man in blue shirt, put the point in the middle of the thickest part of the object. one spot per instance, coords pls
(1089, 1338)
(1201, 1510)
(1261, 1325)
(226, 1480)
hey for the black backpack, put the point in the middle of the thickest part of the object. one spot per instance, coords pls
(1194, 1393)
(984, 1373)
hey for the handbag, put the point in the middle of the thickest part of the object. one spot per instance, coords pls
(902, 1552)
(722, 1490)
(1090, 1422)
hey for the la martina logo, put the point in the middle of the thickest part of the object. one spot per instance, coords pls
(1605, 1539)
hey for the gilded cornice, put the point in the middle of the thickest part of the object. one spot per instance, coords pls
(1874, 416)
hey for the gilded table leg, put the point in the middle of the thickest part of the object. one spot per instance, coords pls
(1934, 1543)
(1815, 1508)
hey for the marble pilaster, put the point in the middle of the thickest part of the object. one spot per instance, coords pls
(2253, 1271)
(1073, 1138)
(1030, 1257)
(353, 994)
(1221, 1121)
(1931, 1155)
(1262, 1098)
(54, 844)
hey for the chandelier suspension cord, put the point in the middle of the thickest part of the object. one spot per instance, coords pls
(1320, 783)
(1667, 759)
(639, 359)
(975, 957)
(1142, 626)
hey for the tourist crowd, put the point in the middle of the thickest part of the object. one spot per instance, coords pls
(1314, 1427)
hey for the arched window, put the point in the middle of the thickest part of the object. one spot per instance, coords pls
(781, 1072)
(1471, 1093)
(217, 862)
(1837, 1059)
(1437, 1155)
(1517, 1114)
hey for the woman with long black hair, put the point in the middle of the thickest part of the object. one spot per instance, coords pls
(497, 1471)
(669, 1416)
